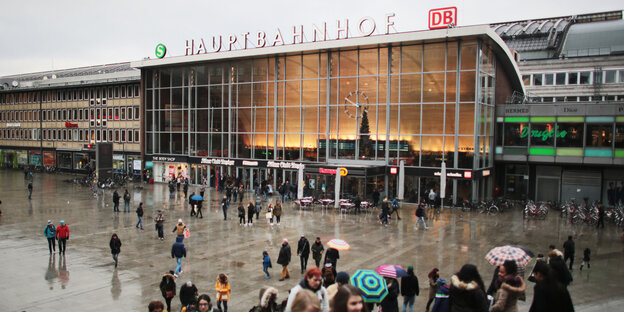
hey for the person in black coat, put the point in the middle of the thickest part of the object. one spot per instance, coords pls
(115, 201)
(115, 246)
(568, 251)
(188, 293)
(467, 291)
(409, 289)
(331, 256)
(560, 271)
(391, 302)
(303, 251)
(284, 259)
(168, 288)
(250, 213)
(549, 295)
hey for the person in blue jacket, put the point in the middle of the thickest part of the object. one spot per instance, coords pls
(266, 264)
(50, 233)
(178, 251)
(441, 303)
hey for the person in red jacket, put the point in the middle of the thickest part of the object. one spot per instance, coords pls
(62, 234)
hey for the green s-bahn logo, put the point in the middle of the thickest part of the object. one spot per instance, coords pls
(161, 50)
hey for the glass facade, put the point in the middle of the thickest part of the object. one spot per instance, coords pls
(422, 103)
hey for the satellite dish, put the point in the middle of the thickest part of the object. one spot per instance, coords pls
(53, 76)
(45, 77)
(15, 83)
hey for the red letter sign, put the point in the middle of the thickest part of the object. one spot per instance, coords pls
(442, 18)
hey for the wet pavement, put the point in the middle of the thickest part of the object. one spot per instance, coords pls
(86, 280)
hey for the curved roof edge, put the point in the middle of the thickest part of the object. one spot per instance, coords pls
(478, 31)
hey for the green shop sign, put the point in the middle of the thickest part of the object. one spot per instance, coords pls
(544, 135)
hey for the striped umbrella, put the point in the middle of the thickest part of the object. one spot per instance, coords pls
(338, 244)
(391, 270)
(372, 286)
(498, 255)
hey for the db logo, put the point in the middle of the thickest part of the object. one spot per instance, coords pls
(442, 18)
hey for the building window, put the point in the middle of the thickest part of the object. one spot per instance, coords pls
(619, 135)
(549, 79)
(516, 134)
(136, 135)
(123, 135)
(537, 79)
(526, 79)
(599, 135)
(136, 113)
(560, 79)
(123, 113)
(123, 91)
(116, 135)
(130, 113)
(136, 90)
(130, 136)
(585, 78)
(572, 78)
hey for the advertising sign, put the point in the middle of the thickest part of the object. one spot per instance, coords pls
(442, 18)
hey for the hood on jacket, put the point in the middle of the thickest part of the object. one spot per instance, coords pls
(265, 296)
(179, 239)
(455, 282)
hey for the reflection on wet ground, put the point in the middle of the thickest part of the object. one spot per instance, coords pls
(86, 280)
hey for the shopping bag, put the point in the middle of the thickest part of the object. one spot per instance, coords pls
(269, 215)
(187, 233)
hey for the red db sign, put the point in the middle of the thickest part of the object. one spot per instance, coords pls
(442, 18)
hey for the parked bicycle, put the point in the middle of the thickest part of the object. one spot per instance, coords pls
(532, 210)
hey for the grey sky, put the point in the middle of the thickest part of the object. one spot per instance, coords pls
(44, 35)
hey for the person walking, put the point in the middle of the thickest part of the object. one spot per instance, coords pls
(199, 204)
(601, 213)
(139, 212)
(467, 290)
(409, 289)
(115, 246)
(185, 188)
(390, 303)
(241, 215)
(432, 198)
(303, 251)
(116, 201)
(126, 199)
(179, 229)
(270, 213)
(192, 204)
(395, 207)
(586, 255)
(222, 286)
(441, 303)
(277, 211)
(284, 259)
(342, 278)
(317, 251)
(375, 198)
(331, 256)
(188, 293)
(510, 287)
(268, 301)
(266, 264)
(224, 207)
(568, 251)
(178, 251)
(30, 189)
(433, 286)
(50, 232)
(250, 213)
(258, 206)
(420, 216)
(357, 205)
(168, 288)
(385, 212)
(311, 281)
(160, 222)
(62, 234)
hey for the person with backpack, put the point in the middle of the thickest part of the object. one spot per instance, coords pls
(126, 199)
(50, 232)
(116, 201)
(395, 207)
(139, 213)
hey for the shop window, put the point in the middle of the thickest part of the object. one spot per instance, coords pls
(569, 135)
(619, 135)
(599, 135)
(516, 134)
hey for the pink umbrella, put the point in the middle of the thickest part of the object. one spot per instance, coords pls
(338, 244)
(391, 270)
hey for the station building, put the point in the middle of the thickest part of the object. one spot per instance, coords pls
(383, 110)
(564, 138)
(55, 118)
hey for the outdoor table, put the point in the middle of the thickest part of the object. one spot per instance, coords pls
(306, 202)
(326, 202)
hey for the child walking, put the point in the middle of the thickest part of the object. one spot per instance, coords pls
(586, 255)
(266, 264)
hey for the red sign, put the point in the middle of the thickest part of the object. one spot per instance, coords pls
(327, 171)
(393, 170)
(70, 125)
(468, 174)
(442, 18)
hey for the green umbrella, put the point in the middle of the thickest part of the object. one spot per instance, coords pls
(371, 284)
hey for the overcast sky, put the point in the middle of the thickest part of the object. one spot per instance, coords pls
(45, 35)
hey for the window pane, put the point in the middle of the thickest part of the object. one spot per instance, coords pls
(433, 87)
(541, 134)
(468, 56)
(348, 63)
(410, 88)
(410, 119)
(561, 78)
(411, 59)
(434, 57)
(585, 77)
(516, 134)
(572, 78)
(549, 79)
(537, 79)
(432, 119)
(619, 135)
(599, 135)
(609, 76)
(570, 135)
(368, 62)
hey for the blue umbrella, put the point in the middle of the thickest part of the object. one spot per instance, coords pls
(197, 197)
(371, 284)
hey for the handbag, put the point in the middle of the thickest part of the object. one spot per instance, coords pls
(169, 294)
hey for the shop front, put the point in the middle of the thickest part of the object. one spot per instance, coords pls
(22, 158)
(49, 159)
(35, 158)
(64, 160)
(166, 168)
(119, 164)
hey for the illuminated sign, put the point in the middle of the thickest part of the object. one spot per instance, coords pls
(393, 170)
(327, 171)
(344, 172)
(486, 172)
(468, 174)
(285, 165)
(250, 163)
(544, 135)
(442, 18)
(14, 124)
(365, 27)
(160, 51)
(448, 174)
(70, 125)
(217, 161)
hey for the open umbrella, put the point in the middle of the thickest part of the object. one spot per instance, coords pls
(391, 270)
(338, 244)
(197, 197)
(372, 286)
(529, 252)
(498, 255)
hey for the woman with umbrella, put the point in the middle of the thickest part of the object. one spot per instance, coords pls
(510, 287)
(391, 302)
(196, 201)
(311, 281)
